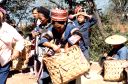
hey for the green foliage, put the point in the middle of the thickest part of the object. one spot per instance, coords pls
(96, 43)
(120, 5)
(19, 9)
(98, 46)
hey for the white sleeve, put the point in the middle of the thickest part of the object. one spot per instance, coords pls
(19, 45)
(18, 39)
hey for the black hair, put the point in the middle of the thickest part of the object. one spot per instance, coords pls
(21, 33)
(35, 8)
(44, 11)
(7, 19)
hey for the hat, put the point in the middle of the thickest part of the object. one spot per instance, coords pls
(115, 39)
(2, 10)
(59, 15)
(44, 11)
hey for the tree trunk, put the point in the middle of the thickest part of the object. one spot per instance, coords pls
(96, 13)
(59, 6)
(99, 23)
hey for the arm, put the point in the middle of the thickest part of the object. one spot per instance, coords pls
(46, 39)
(92, 20)
(19, 45)
(75, 36)
(121, 54)
(111, 54)
(37, 31)
(53, 46)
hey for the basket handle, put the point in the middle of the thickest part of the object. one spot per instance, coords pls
(61, 76)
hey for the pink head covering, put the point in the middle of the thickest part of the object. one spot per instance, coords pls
(2, 10)
(59, 15)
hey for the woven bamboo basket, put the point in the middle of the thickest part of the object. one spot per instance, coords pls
(21, 62)
(113, 70)
(66, 66)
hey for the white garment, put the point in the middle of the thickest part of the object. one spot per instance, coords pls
(8, 37)
(38, 22)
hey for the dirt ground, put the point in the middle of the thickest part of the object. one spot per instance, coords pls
(17, 77)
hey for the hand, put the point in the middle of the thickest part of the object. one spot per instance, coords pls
(71, 16)
(90, 16)
(105, 54)
(85, 14)
(34, 34)
(56, 48)
(110, 58)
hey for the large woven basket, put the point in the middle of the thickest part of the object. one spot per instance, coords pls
(113, 70)
(21, 62)
(64, 67)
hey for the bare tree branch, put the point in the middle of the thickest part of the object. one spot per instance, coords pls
(59, 6)
(95, 11)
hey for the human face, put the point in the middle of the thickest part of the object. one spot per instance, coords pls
(42, 18)
(35, 14)
(81, 18)
(59, 25)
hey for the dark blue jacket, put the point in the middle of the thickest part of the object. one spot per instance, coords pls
(59, 38)
(84, 29)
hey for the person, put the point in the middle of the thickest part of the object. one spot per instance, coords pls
(44, 17)
(84, 22)
(8, 37)
(35, 14)
(119, 50)
(60, 32)
(31, 37)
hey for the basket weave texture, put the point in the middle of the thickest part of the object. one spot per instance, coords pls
(113, 70)
(66, 66)
(21, 62)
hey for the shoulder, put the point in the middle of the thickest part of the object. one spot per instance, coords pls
(71, 28)
(8, 27)
(75, 21)
(123, 49)
(4, 24)
(50, 27)
(70, 25)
